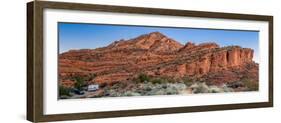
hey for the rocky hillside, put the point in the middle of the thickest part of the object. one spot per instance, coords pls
(157, 55)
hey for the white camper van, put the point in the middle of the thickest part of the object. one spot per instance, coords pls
(93, 87)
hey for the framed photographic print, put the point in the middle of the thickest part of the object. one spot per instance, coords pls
(96, 61)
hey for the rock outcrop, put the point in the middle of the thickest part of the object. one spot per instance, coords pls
(157, 55)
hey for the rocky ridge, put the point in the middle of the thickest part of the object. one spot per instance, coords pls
(158, 55)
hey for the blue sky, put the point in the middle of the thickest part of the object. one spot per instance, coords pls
(91, 36)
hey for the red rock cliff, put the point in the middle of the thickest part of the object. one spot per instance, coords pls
(156, 55)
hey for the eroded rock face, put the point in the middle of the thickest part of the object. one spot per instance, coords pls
(154, 41)
(156, 55)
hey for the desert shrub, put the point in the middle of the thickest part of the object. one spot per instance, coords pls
(226, 88)
(160, 92)
(119, 85)
(130, 93)
(164, 86)
(106, 91)
(113, 93)
(159, 80)
(143, 77)
(167, 79)
(147, 88)
(186, 80)
(136, 80)
(251, 85)
(170, 79)
(64, 91)
(171, 91)
(199, 88)
(154, 92)
(215, 89)
(178, 86)
(204, 88)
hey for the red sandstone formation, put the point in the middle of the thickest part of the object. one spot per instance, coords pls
(157, 55)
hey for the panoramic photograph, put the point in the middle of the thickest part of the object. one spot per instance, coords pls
(102, 60)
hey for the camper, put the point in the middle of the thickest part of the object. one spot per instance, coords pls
(93, 87)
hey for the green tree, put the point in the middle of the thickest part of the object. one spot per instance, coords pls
(187, 80)
(64, 91)
(143, 77)
(79, 82)
(252, 85)
(159, 80)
